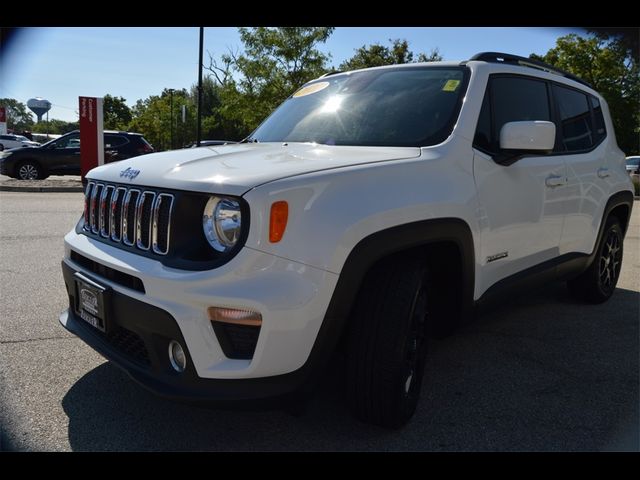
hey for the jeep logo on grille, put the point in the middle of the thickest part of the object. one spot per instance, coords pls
(129, 173)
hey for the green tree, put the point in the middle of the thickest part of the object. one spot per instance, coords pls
(18, 117)
(610, 68)
(376, 55)
(152, 117)
(117, 114)
(275, 62)
(55, 126)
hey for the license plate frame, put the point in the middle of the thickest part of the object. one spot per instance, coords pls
(92, 302)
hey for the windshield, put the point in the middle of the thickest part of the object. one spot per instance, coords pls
(406, 107)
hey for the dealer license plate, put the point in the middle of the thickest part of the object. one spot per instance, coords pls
(91, 302)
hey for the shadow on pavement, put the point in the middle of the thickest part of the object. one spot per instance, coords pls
(543, 373)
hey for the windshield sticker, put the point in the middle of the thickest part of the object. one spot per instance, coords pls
(308, 90)
(451, 86)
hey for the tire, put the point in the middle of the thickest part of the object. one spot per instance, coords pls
(29, 170)
(387, 342)
(598, 282)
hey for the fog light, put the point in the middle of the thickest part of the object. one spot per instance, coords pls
(177, 357)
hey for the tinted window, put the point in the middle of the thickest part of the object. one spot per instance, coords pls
(395, 107)
(5, 137)
(575, 119)
(599, 129)
(482, 139)
(72, 141)
(112, 141)
(512, 99)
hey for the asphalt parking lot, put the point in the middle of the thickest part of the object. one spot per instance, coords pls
(541, 373)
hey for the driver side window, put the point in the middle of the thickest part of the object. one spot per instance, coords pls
(509, 99)
(72, 141)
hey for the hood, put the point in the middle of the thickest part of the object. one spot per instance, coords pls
(235, 169)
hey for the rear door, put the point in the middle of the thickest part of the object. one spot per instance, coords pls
(522, 213)
(581, 130)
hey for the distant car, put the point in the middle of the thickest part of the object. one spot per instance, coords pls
(62, 155)
(15, 141)
(633, 165)
(208, 143)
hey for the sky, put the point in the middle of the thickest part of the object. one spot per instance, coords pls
(62, 63)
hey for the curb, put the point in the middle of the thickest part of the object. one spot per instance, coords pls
(10, 188)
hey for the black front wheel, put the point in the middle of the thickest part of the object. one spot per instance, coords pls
(599, 281)
(387, 343)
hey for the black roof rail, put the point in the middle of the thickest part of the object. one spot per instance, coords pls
(498, 57)
(333, 72)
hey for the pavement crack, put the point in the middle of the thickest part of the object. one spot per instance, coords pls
(8, 342)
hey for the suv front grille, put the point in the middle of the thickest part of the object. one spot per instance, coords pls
(134, 217)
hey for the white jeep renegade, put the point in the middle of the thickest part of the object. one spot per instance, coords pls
(372, 210)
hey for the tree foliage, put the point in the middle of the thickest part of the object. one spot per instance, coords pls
(275, 62)
(19, 118)
(117, 115)
(55, 126)
(611, 70)
(376, 55)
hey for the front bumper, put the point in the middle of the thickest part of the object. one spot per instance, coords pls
(171, 304)
(138, 342)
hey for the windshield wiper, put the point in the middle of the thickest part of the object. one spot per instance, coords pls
(249, 140)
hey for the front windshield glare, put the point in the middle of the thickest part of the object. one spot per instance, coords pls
(410, 106)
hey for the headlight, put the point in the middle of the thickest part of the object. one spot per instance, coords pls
(5, 154)
(221, 222)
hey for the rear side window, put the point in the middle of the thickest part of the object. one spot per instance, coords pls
(575, 119)
(599, 129)
(112, 141)
(509, 99)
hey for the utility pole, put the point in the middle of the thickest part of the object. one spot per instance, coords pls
(171, 116)
(199, 123)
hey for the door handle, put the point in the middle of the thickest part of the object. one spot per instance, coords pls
(603, 172)
(76, 153)
(553, 181)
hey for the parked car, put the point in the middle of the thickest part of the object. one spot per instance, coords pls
(62, 155)
(15, 141)
(633, 165)
(372, 211)
(208, 143)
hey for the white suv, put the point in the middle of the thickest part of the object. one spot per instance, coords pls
(371, 210)
(15, 141)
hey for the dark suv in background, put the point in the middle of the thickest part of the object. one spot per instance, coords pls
(62, 155)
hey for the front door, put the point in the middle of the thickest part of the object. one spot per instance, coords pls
(522, 205)
(64, 154)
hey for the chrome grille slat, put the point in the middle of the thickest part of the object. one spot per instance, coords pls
(129, 217)
(143, 225)
(87, 206)
(115, 216)
(105, 225)
(160, 239)
(97, 191)
(138, 218)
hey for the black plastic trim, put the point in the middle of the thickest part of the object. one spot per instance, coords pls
(372, 249)
(563, 267)
(116, 276)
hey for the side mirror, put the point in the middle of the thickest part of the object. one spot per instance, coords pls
(529, 135)
(520, 138)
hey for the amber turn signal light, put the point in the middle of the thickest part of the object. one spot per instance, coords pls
(278, 221)
(235, 316)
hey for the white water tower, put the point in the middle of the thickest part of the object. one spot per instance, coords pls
(39, 106)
